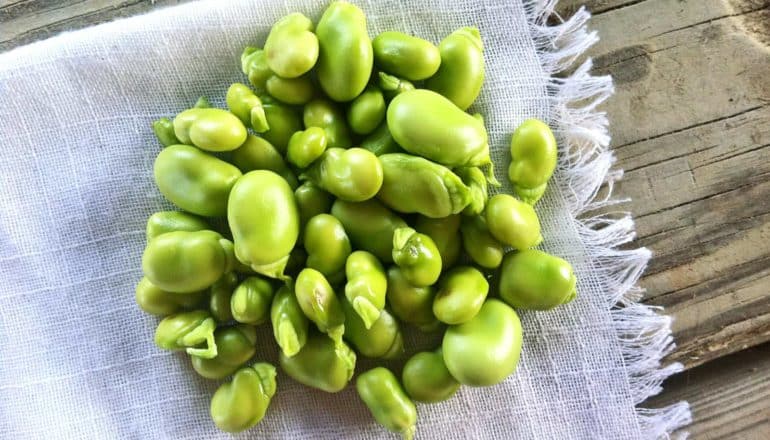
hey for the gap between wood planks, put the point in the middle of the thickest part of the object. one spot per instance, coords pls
(728, 396)
(693, 135)
(24, 21)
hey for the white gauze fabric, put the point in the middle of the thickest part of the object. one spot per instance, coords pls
(76, 354)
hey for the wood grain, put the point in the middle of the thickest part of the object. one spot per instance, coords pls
(24, 21)
(728, 396)
(691, 127)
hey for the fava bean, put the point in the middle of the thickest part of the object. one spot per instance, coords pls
(235, 346)
(164, 131)
(327, 246)
(512, 222)
(259, 154)
(429, 125)
(242, 403)
(413, 184)
(321, 363)
(461, 73)
(219, 297)
(411, 304)
(533, 159)
(183, 262)
(306, 146)
(319, 302)
(251, 300)
(194, 181)
(210, 129)
(156, 301)
(263, 217)
(244, 104)
(404, 55)
(291, 47)
(295, 91)
(382, 339)
(370, 226)
(485, 350)
(366, 286)
(290, 325)
(417, 256)
(386, 400)
(445, 233)
(345, 58)
(460, 294)
(532, 279)
(353, 175)
(169, 221)
(283, 121)
(187, 331)
(392, 85)
(475, 180)
(380, 141)
(254, 66)
(366, 111)
(327, 115)
(426, 378)
(311, 201)
(479, 244)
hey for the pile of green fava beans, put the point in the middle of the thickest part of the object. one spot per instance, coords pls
(342, 199)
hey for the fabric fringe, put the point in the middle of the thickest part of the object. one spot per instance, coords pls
(587, 177)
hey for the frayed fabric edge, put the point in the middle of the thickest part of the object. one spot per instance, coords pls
(587, 177)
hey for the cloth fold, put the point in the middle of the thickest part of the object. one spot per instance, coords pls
(76, 354)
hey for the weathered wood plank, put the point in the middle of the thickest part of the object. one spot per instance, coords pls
(700, 162)
(693, 134)
(691, 127)
(680, 79)
(22, 22)
(597, 7)
(729, 396)
(5, 3)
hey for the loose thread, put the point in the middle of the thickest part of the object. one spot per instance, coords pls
(585, 171)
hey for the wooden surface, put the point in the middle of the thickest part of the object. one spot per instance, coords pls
(691, 127)
(728, 396)
(690, 122)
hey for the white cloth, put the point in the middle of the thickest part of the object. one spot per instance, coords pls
(76, 152)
